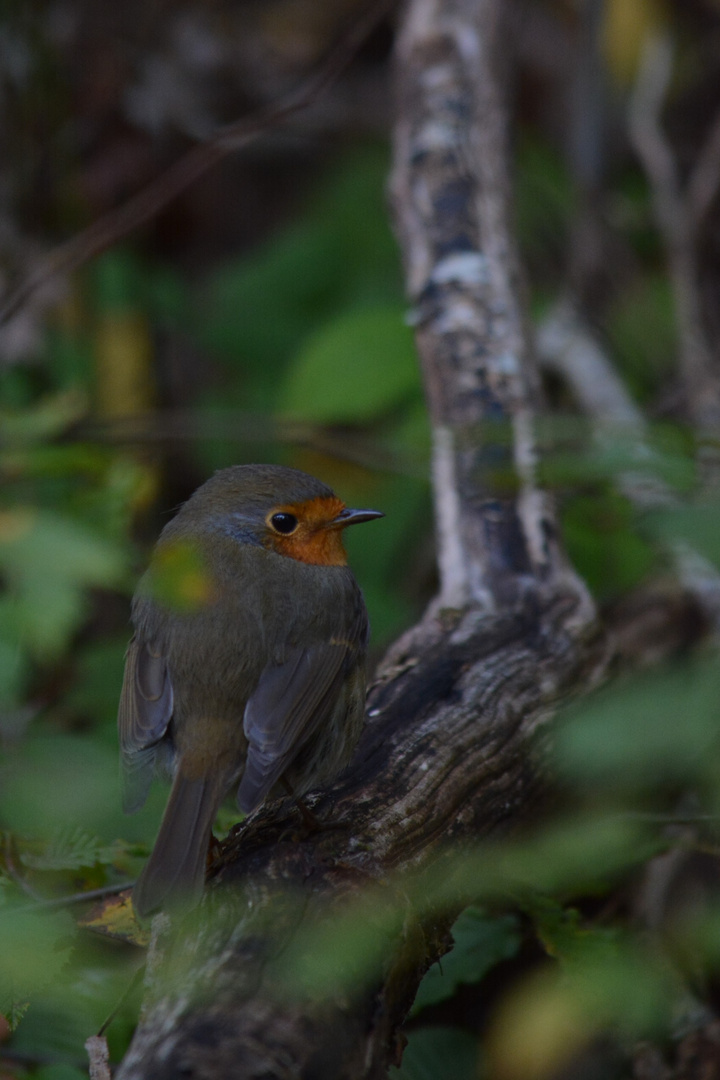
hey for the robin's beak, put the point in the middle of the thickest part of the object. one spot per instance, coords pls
(353, 517)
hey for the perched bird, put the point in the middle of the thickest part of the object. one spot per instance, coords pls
(262, 683)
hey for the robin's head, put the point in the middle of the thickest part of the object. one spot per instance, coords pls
(283, 510)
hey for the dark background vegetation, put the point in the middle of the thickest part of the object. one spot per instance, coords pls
(260, 317)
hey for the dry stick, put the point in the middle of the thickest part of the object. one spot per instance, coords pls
(704, 181)
(679, 215)
(144, 206)
(132, 986)
(99, 1057)
(444, 755)
(167, 425)
(77, 898)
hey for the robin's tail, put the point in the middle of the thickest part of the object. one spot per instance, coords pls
(174, 875)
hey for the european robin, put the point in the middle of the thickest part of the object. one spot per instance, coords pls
(263, 683)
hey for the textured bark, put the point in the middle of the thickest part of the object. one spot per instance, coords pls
(445, 757)
(451, 195)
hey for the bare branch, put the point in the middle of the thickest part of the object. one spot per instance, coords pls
(566, 346)
(646, 107)
(704, 180)
(180, 425)
(674, 212)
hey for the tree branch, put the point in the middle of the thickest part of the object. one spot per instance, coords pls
(678, 216)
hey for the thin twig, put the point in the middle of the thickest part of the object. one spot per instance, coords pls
(566, 345)
(168, 425)
(132, 986)
(646, 106)
(704, 180)
(142, 207)
(79, 897)
(677, 218)
(678, 215)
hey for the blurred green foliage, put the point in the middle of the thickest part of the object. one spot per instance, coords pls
(588, 974)
(438, 1051)
(604, 543)
(357, 368)
(647, 732)
(545, 207)
(480, 942)
(641, 333)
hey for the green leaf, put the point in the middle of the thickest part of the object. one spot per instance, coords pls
(178, 577)
(641, 330)
(384, 556)
(67, 779)
(117, 278)
(603, 544)
(556, 860)
(60, 1072)
(611, 976)
(13, 661)
(47, 418)
(545, 205)
(97, 682)
(610, 986)
(481, 942)
(341, 253)
(644, 730)
(439, 1053)
(70, 848)
(49, 560)
(34, 948)
(697, 526)
(661, 455)
(355, 369)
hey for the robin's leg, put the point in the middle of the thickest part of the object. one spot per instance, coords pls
(212, 852)
(309, 820)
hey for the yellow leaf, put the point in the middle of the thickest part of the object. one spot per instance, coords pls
(123, 358)
(538, 1028)
(179, 578)
(626, 26)
(16, 524)
(114, 917)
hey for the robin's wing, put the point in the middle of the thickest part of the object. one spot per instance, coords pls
(146, 705)
(291, 701)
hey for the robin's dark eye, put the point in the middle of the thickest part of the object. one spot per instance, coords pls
(284, 523)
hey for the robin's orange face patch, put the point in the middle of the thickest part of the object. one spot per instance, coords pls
(304, 531)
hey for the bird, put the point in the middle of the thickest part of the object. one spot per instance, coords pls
(261, 683)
